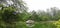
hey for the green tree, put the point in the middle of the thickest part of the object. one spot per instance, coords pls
(34, 16)
(11, 13)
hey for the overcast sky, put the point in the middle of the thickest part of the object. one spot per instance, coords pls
(42, 4)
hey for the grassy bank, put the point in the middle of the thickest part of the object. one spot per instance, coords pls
(37, 25)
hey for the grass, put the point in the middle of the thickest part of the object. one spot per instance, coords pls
(37, 25)
(44, 25)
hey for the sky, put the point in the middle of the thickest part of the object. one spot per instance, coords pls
(42, 4)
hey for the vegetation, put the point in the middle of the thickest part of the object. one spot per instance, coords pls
(15, 15)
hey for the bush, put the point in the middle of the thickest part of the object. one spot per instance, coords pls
(57, 23)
